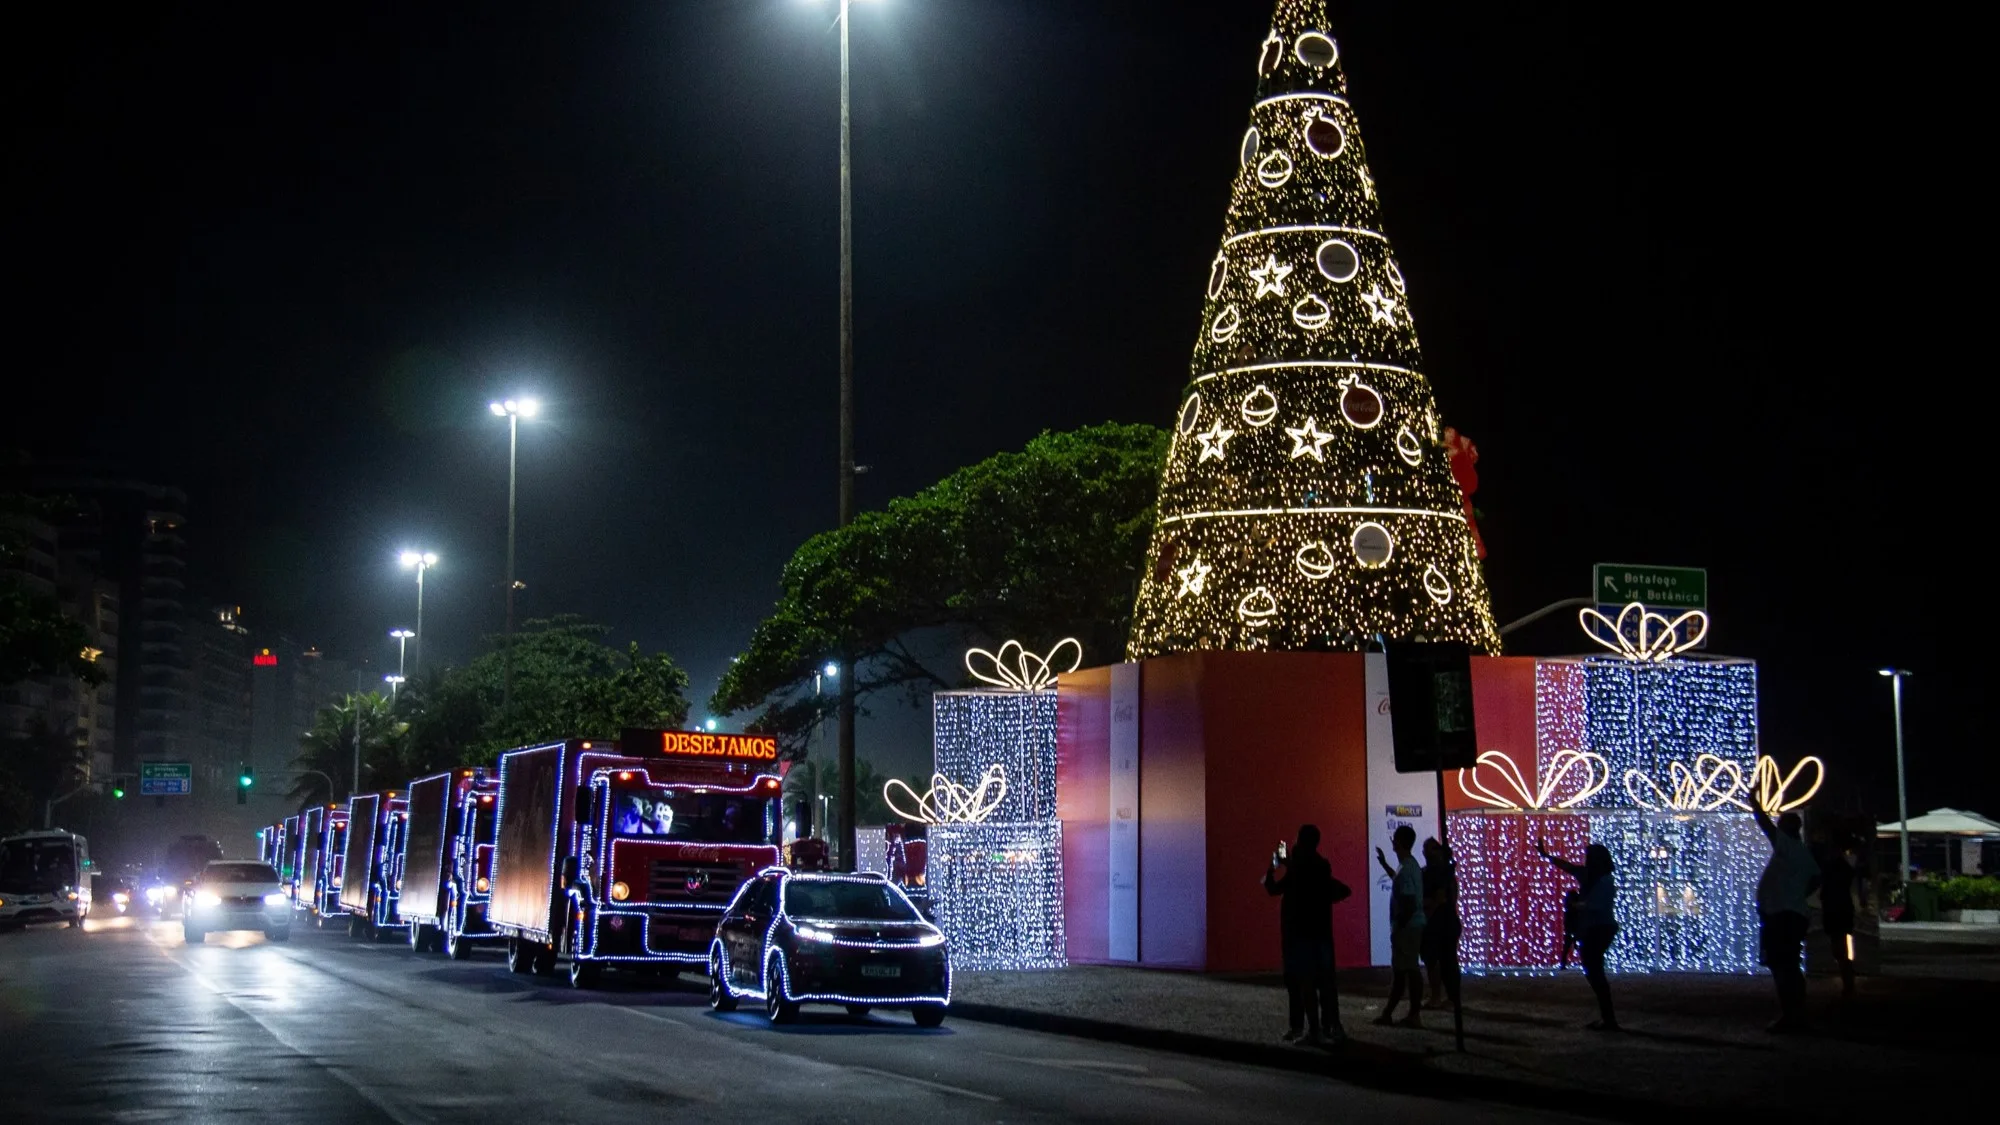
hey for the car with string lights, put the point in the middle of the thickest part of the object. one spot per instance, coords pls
(792, 937)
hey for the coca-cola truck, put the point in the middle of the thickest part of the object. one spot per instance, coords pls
(624, 855)
(324, 851)
(447, 853)
(369, 876)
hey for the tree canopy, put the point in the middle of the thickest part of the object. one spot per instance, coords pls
(567, 684)
(1036, 545)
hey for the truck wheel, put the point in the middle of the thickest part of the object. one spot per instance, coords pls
(416, 936)
(545, 960)
(519, 958)
(456, 947)
(719, 997)
(584, 973)
(777, 1009)
(928, 1015)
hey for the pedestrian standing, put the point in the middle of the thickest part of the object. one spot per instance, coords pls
(1788, 880)
(1839, 883)
(1440, 920)
(1596, 922)
(1305, 934)
(1406, 927)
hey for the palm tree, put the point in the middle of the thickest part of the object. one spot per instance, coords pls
(327, 750)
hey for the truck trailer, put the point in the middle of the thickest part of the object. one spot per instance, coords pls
(625, 854)
(370, 875)
(447, 850)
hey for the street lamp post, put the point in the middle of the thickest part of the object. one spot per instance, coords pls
(513, 409)
(422, 561)
(402, 649)
(845, 752)
(1902, 787)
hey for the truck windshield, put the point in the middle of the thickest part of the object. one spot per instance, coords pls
(699, 818)
(831, 898)
(36, 866)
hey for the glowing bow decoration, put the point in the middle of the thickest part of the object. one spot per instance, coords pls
(1642, 635)
(1774, 787)
(948, 802)
(1596, 774)
(1017, 669)
(1710, 784)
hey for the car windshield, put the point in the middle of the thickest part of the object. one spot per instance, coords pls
(696, 818)
(840, 898)
(239, 873)
(36, 866)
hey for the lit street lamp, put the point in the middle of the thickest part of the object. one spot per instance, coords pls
(422, 561)
(394, 682)
(402, 647)
(512, 409)
(1902, 789)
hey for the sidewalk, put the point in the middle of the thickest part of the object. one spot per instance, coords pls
(1915, 1037)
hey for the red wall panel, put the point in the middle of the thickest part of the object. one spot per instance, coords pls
(1503, 710)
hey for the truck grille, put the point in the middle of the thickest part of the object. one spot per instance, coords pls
(681, 881)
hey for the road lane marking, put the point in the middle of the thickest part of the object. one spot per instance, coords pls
(924, 1082)
(392, 1112)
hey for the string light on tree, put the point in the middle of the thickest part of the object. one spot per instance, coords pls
(1314, 424)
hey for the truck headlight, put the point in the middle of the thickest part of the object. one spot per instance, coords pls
(620, 892)
(207, 898)
(275, 898)
(480, 884)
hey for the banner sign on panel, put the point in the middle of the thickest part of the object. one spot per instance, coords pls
(1394, 799)
(1124, 935)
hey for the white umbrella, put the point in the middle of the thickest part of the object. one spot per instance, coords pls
(1943, 822)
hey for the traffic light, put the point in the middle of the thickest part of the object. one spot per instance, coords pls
(246, 776)
(117, 790)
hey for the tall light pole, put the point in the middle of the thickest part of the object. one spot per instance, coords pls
(845, 752)
(402, 650)
(512, 409)
(1902, 787)
(422, 561)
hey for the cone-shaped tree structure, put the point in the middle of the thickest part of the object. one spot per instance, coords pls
(1307, 502)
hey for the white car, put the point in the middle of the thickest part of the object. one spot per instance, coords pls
(237, 894)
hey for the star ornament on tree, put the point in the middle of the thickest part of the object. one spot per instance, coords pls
(1213, 439)
(1309, 441)
(1381, 306)
(1193, 577)
(1271, 277)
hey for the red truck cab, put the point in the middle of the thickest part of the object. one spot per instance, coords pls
(624, 855)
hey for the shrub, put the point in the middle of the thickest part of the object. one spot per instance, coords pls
(1969, 892)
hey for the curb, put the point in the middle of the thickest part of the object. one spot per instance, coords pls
(1362, 1064)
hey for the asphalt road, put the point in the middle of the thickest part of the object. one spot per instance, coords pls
(123, 1021)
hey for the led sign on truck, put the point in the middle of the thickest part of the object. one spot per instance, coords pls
(699, 744)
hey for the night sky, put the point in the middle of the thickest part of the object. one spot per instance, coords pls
(1667, 265)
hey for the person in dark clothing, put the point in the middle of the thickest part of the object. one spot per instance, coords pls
(1441, 927)
(1597, 922)
(1789, 879)
(1838, 884)
(1305, 931)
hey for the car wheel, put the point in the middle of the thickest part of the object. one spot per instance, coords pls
(928, 1015)
(193, 935)
(859, 1011)
(456, 947)
(719, 996)
(76, 921)
(777, 1008)
(279, 933)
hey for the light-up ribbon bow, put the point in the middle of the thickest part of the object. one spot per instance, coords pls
(1596, 773)
(1774, 787)
(1017, 669)
(1642, 635)
(948, 802)
(1712, 783)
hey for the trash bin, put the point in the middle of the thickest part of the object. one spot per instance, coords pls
(1922, 899)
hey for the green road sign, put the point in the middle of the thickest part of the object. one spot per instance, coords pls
(166, 779)
(1667, 587)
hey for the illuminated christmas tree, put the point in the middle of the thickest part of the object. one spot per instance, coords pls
(1308, 500)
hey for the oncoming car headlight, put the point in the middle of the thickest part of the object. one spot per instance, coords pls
(207, 898)
(275, 898)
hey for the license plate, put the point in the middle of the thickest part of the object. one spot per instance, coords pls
(881, 970)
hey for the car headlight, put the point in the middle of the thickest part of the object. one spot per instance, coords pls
(812, 933)
(930, 939)
(480, 884)
(275, 898)
(153, 895)
(207, 898)
(171, 892)
(120, 897)
(620, 892)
